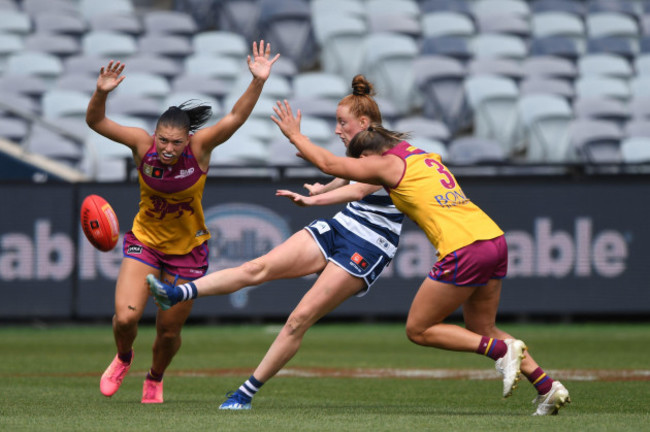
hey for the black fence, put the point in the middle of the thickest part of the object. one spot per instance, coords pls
(577, 247)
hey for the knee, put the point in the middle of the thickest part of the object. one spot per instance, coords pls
(168, 332)
(298, 323)
(254, 270)
(415, 333)
(125, 320)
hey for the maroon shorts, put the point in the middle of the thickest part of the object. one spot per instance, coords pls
(189, 266)
(474, 264)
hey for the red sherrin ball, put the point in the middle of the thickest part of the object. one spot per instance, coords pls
(99, 223)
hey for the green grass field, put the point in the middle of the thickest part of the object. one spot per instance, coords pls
(49, 380)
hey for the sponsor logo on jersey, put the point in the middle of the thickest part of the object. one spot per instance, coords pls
(184, 173)
(152, 171)
(134, 250)
(161, 207)
(358, 259)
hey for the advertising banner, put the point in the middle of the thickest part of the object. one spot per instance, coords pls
(575, 247)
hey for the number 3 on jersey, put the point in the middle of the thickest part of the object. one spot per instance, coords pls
(448, 182)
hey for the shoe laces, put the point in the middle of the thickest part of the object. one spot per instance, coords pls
(151, 388)
(238, 397)
(118, 370)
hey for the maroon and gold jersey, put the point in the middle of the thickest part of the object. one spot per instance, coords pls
(170, 218)
(430, 195)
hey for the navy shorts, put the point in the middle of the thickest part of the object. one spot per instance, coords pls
(350, 252)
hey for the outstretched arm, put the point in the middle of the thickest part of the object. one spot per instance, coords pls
(318, 188)
(259, 65)
(109, 78)
(372, 169)
(344, 194)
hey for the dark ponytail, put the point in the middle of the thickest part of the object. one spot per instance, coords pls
(189, 116)
(376, 139)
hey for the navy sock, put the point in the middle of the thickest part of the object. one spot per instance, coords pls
(125, 357)
(186, 291)
(250, 387)
(154, 376)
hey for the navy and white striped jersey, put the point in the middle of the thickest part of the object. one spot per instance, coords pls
(373, 219)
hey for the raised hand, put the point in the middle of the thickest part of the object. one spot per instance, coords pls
(314, 189)
(110, 76)
(260, 64)
(289, 125)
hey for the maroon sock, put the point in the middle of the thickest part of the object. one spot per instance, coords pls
(491, 347)
(541, 381)
(125, 357)
(154, 376)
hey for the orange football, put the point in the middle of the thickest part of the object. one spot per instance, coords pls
(99, 223)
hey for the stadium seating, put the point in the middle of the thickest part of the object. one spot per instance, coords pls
(635, 149)
(339, 38)
(60, 23)
(475, 150)
(108, 44)
(320, 85)
(507, 24)
(426, 59)
(424, 127)
(594, 141)
(90, 8)
(545, 85)
(220, 43)
(440, 79)
(286, 24)
(447, 23)
(543, 123)
(173, 22)
(60, 45)
(549, 66)
(44, 65)
(388, 63)
(493, 100)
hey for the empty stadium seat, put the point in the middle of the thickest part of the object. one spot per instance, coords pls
(441, 81)
(493, 100)
(635, 149)
(108, 44)
(286, 24)
(90, 8)
(447, 23)
(339, 38)
(594, 141)
(549, 66)
(320, 85)
(166, 21)
(424, 127)
(221, 43)
(544, 120)
(388, 64)
(604, 64)
(470, 150)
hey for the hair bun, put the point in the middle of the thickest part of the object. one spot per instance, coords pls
(361, 86)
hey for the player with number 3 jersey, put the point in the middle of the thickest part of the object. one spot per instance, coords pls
(472, 251)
